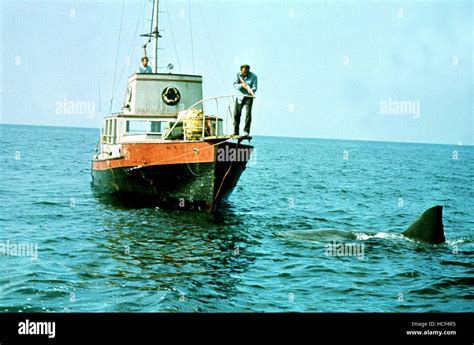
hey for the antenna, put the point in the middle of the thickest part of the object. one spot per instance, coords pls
(155, 33)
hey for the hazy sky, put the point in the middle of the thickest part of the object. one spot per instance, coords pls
(394, 71)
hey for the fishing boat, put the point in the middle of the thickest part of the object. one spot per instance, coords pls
(165, 147)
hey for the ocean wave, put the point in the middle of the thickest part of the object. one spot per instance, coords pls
(385, 235)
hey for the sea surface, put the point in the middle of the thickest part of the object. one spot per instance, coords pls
(259, 253)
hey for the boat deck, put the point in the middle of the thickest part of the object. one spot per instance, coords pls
(239, 138)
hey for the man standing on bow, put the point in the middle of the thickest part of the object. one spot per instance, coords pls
(246, 83)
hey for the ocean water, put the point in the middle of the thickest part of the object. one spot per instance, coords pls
(259, 253)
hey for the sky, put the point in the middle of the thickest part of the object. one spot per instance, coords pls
(358, 70)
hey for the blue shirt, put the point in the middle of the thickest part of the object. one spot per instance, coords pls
(142, 69)
(250, 80)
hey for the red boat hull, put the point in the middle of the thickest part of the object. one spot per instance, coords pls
(190, 175)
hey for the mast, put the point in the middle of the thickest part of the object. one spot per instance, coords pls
(156, 35)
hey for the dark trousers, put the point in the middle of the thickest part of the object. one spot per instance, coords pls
(247, 103)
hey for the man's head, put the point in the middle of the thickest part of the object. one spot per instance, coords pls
(244, 69)
(144, 61)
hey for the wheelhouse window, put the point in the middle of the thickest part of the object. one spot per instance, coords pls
(110, 131)
(145, 126)
(137, 126)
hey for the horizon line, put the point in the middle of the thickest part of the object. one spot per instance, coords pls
(268, 136)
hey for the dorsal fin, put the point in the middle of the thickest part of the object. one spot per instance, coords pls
(428, 227)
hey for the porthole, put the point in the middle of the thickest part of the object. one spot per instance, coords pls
(170, 95)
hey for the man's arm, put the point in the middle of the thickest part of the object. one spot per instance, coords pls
(254, 84)
(246, 87)
(237, 83)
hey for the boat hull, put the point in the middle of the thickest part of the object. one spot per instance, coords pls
(200, 185)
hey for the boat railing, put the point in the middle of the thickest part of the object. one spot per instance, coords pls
(186, 114)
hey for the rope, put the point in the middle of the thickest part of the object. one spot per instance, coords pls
(140, 19)
(151, 29)
(212, 45)
(187, 162)
(191, 32)
(172, 36)
(151, 22)
(131, 53)
(225, 175)
(116, 57)
(188, 153)
(100, 119)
